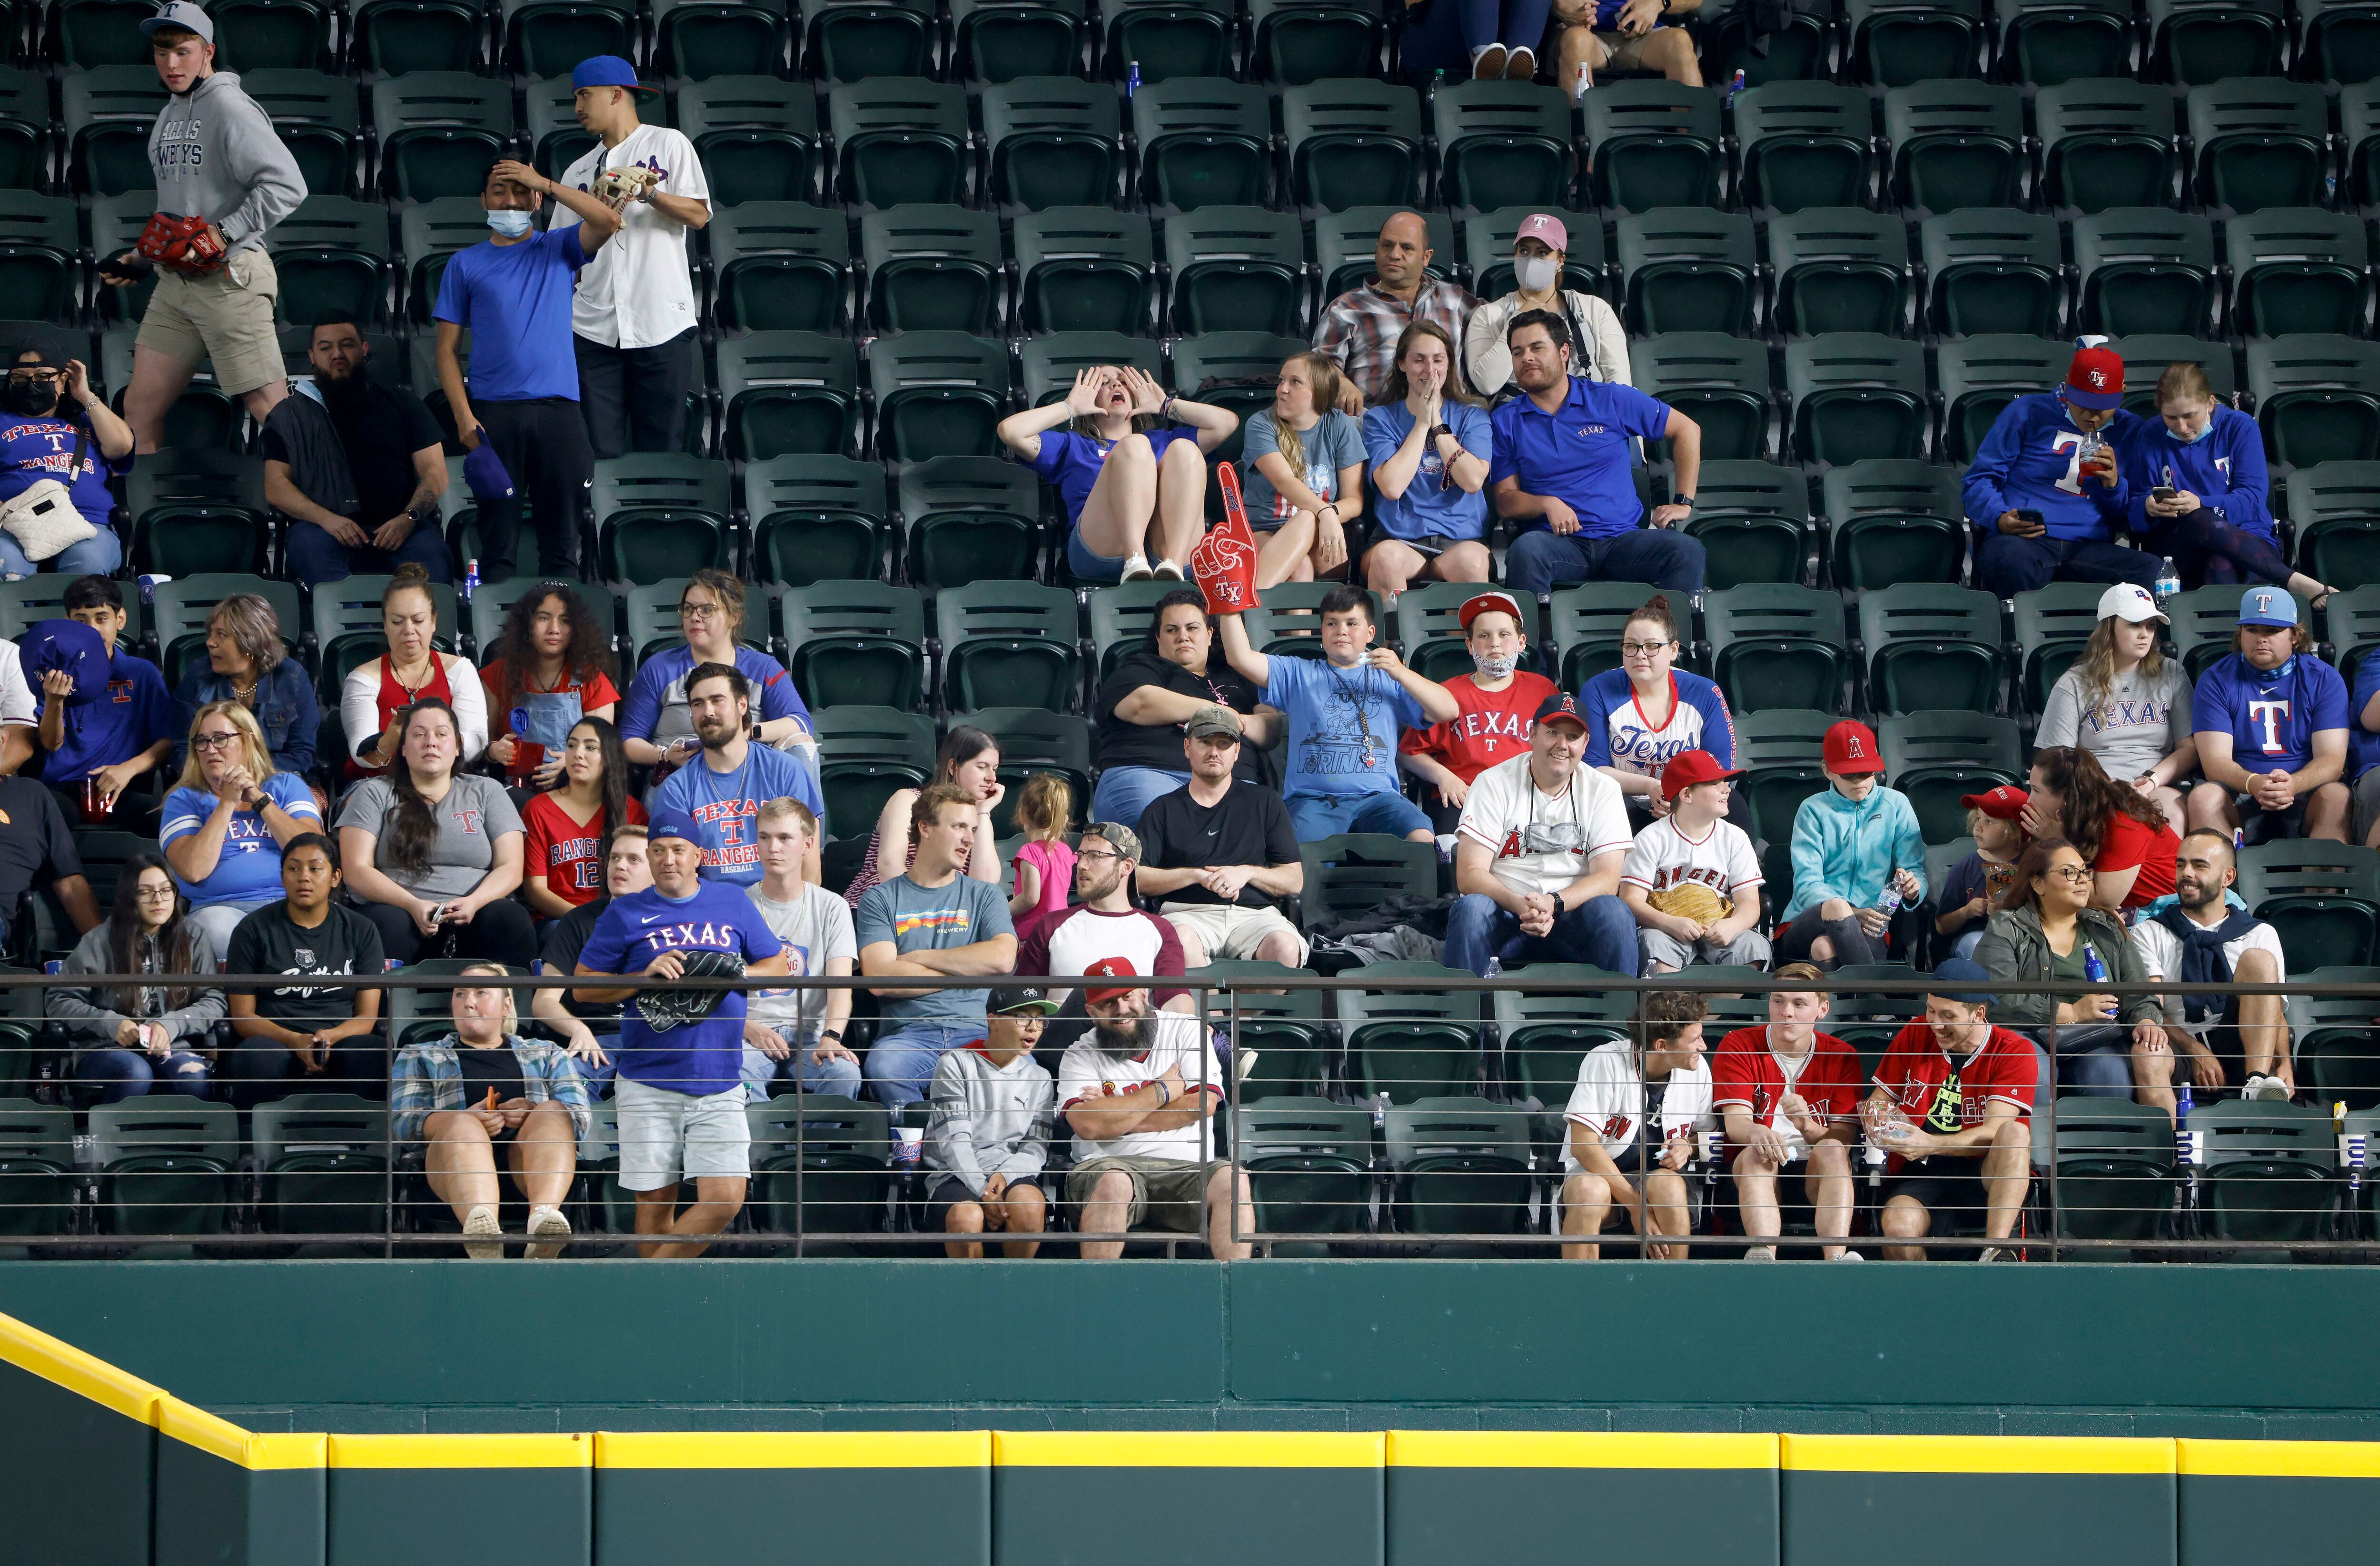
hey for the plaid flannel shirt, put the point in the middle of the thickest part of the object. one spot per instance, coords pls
(1360, 328)
(429, 1079)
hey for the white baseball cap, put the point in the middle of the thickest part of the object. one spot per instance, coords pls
(2130, 600)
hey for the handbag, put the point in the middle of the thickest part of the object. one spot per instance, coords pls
(44, 520)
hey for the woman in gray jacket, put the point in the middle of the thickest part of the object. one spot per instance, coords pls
(127, 1040)
(2046, 931)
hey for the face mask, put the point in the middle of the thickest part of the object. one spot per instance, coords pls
(512, 225)
(28, 399)
(1535, 273)
(2203, 431)
(1496, 669)
(307, 388)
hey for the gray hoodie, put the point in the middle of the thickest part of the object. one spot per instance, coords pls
(990, 1119)
(90, 1022)
(216, 156)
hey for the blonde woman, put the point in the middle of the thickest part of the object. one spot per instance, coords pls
(483, 1087)
(247, 662)
(224, 822)
(411, 670)
(2126, 702)
(1304, 481)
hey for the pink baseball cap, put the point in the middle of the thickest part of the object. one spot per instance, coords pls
(1540, 225)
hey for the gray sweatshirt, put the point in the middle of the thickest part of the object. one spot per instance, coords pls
(216, 156)
(91, 1022)
(990, 1119)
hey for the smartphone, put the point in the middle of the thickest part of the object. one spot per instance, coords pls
(2028, 514)
(2164, 492)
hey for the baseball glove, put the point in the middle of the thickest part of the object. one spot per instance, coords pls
(185, 244)
(667, 1009)
(1692, 900)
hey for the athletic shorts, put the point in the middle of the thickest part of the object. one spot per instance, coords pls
(1952, 1196)
(949, 1191)
(666, 1135)
(224, 316)
(1166, 1192)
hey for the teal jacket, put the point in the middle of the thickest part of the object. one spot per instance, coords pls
(1841, 850)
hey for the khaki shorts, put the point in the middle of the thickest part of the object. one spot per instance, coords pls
(664, 1134)
(225, 316)
(1621, 52)
(1230, 932)
(1167, 1193)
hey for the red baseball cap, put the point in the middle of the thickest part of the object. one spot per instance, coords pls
(1690, 767)
(1851, 748)
(2004, 803)
(1109, 968)
(1503, 602)
(2094, 379)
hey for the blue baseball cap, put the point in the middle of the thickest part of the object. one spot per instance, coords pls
(608, 70)
(672, 823)
(69, 645)
(483, 470)
(1959, 971)
(2272, 608)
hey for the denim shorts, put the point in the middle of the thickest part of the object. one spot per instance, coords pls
(1321, 815)
(1087, 566)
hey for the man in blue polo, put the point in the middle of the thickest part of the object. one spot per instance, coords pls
(1565, 472)
(2044, 492)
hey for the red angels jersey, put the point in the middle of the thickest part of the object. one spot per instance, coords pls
(1746, 1074)
(1945, 1096)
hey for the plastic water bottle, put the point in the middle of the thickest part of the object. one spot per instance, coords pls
(1582, 82)
(1131, 80)
(2095, 967)
(1889, 903)
(470, 578)
(2169, 580)
(2181, 1106)
(1735, 85)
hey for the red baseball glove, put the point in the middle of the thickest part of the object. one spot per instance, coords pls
(1225, 561)
(185, 244)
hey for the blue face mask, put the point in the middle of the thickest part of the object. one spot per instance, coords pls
(511, 224)
(2203, 431)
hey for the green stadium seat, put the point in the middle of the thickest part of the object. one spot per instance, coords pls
(323, 1159)
(932, 267)
(2353, 619)
(1410, 1044)
(996, 40)
(2147, 354)
(866, 755)
(757, 138)
(1993, 270)
(2199, 42)
(27, 130)
(1839, 269)
(2264, 1171)
(1249, 360)
(550, 115)
(1293, 623)
(1897, 44)
(492, 607)
(1687, 268)
(2202, 625)
(1931, 645)
(2334, 509)
(1346, 243)
(1033, 740)
(1353, 143)
(1936, 757)
(178, 611)
(394, 37)
(1349, 873)
(1429, 628)
(2143, 269)
(969, 519)
(1234, 269)
(333, 260)
(1308, 1160)
(1300, 42)
(2335, 1039)
(2115, 1170)
(315, 115)
(1980, 376)
(2053, 625)
(1855, 395)
(1167, 39)
(938, 394)
(1652, 145)
(1008, 645)
(821, 1165)
(2322, 898)
(1502, 143)
(1954, 144)
(29, 600)
(2105, 145)
(196, 511)
(1776, 645)
(1204, 141)
(1050, 365)
(166, 1166)
(1084, 269)
(1718, 380)
(650, 613)
(1753, 520)
(1121, 618)
(2297, 269)
(1588, 622)
(347, 625)
(2318, 398)
(2260, 141)
(1488, 241)
(779, 266)
(1802, 144)
(1782, 752)
(847, 40)
(429, 233)
(1051, 142)
(38, 1180)
(854, 643)
(1544, 1036)
(1460, 1165)
(107, 113)
(437, 132)
(2048, 42)
(2338, 40)
(788, 394)
(1291, 1028)
(550, 37)
(40, 256)
(658, 515)
(703, 40)
(898, 139)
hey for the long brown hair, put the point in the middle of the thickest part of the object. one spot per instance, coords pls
(2091, 797)
(414, 829)
(1457, 388)
(124, 936)
(2031, 865)
(2097, 667)
(590, 651)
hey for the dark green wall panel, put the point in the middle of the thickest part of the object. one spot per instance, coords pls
(2227, 1519)
(1835, 1519)
(74, 1477)
(1186, 1516)
(461, 1517)
(794, 1516)
(214, 1512)
(1498, 1516)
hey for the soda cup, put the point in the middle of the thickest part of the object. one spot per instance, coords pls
(97, 807)
(909, 1143)
(149, 586)
(54, 967)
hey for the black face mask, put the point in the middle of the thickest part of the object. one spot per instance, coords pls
(29, 399)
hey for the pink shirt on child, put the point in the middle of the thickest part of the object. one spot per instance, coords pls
(1055, 861)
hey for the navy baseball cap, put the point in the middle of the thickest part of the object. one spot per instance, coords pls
(483, 470)
(672, 823)
(2271, 608)
(72, 646)
(608, 71)
(1561, 707)
(1965, 974)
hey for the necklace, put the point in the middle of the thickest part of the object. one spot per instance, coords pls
(413, 693)
(1363, 718)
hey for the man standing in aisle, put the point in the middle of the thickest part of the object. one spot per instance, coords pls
(634, 316)
(513, 292)
(223, 179)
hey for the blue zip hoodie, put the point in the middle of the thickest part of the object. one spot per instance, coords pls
(1843, 850)
(2030, 450)
(2225, 468)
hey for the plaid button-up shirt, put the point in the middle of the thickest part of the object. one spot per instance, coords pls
(428, 1078)
(1360, 328)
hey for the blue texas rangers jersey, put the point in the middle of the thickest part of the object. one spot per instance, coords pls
(2033, 460)
(2271, 714)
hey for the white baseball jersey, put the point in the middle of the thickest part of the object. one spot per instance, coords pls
(1086, 1072)
(1662, 857)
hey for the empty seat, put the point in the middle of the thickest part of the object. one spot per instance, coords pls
(1839, 269)
(1502, 143)
(84, 34)
(845, 41)
(1753, 520)
(1930, 645)
(2317, 397)
(2053, 625)
(866, 755)
(854, 643)
(316, 119)
(438, 131)
(198, 511)
(969, 519)
(1234, 269)
(1304, 41)
(1687, 268)
(1853, 395)
(1718, 380)
(2297, 269)
(2334, 509)
(1802, 144)
(2051, 41)
(1346, 243)
(392, 37)
(788, 393)
(1353, 143)
(779, 266)
(938, 394)
(899, 138)
(932, 267)
(2196, 42)
(1936, 757)
(817, 519)
(1652, 145)
(2261, 141)
(108, 112)
(2359, 118)
(429, 235)
(658, 515)
(1777, 647)
(332, 258)
(1782, 753)
(2143, 269)
(1982, 376)
(550, 37)
(1008, 645)
(1050, 365)
(1003, 40)
(696, 40)
(2339, 40)
(1051, 142)
(2146, 355)
(1204, 141)
(40, 259)
(757, 138)
(1082, 269)
(1893, 521)
(1955, 144)
(1897, 44)
(2322, 898)
(1167, 39)
(2105, 145)
(1993, 269)
(25, 126)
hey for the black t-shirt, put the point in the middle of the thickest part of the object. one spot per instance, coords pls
(565, 939)
(496, 1068)
(1135, 745)
(269, 941)
(1248, 826)
(36, 848)
(381, 428)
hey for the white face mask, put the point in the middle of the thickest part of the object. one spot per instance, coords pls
(1535, 273)
(1496, 669)
(511, 223)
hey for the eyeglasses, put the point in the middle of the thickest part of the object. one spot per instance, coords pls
(41, 376)
(699, 611)
(214, 741)
(1641, 649)
(1088, 854)
(2079, 875)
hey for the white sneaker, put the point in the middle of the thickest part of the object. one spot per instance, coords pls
(1761, 1254)
(1521, 64)
(1997, 1254)
(1487, 62)
(548, 1231)
(1135, 569)
(2271, 1089)
(1851, 1256)
(1168, 570)
(482, 1237)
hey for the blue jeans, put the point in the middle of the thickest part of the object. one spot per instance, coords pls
(316, 557)
(833, 1076)
(1600, 931)
(1667, 559)
(131, 1073)
(1124, 791)
(2006, 566)
(599, 1078)
(1320, 815)
(901, 1067)
(96, 556)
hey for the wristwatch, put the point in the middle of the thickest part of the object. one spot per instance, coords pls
(1559, 908)
(1437, 430)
